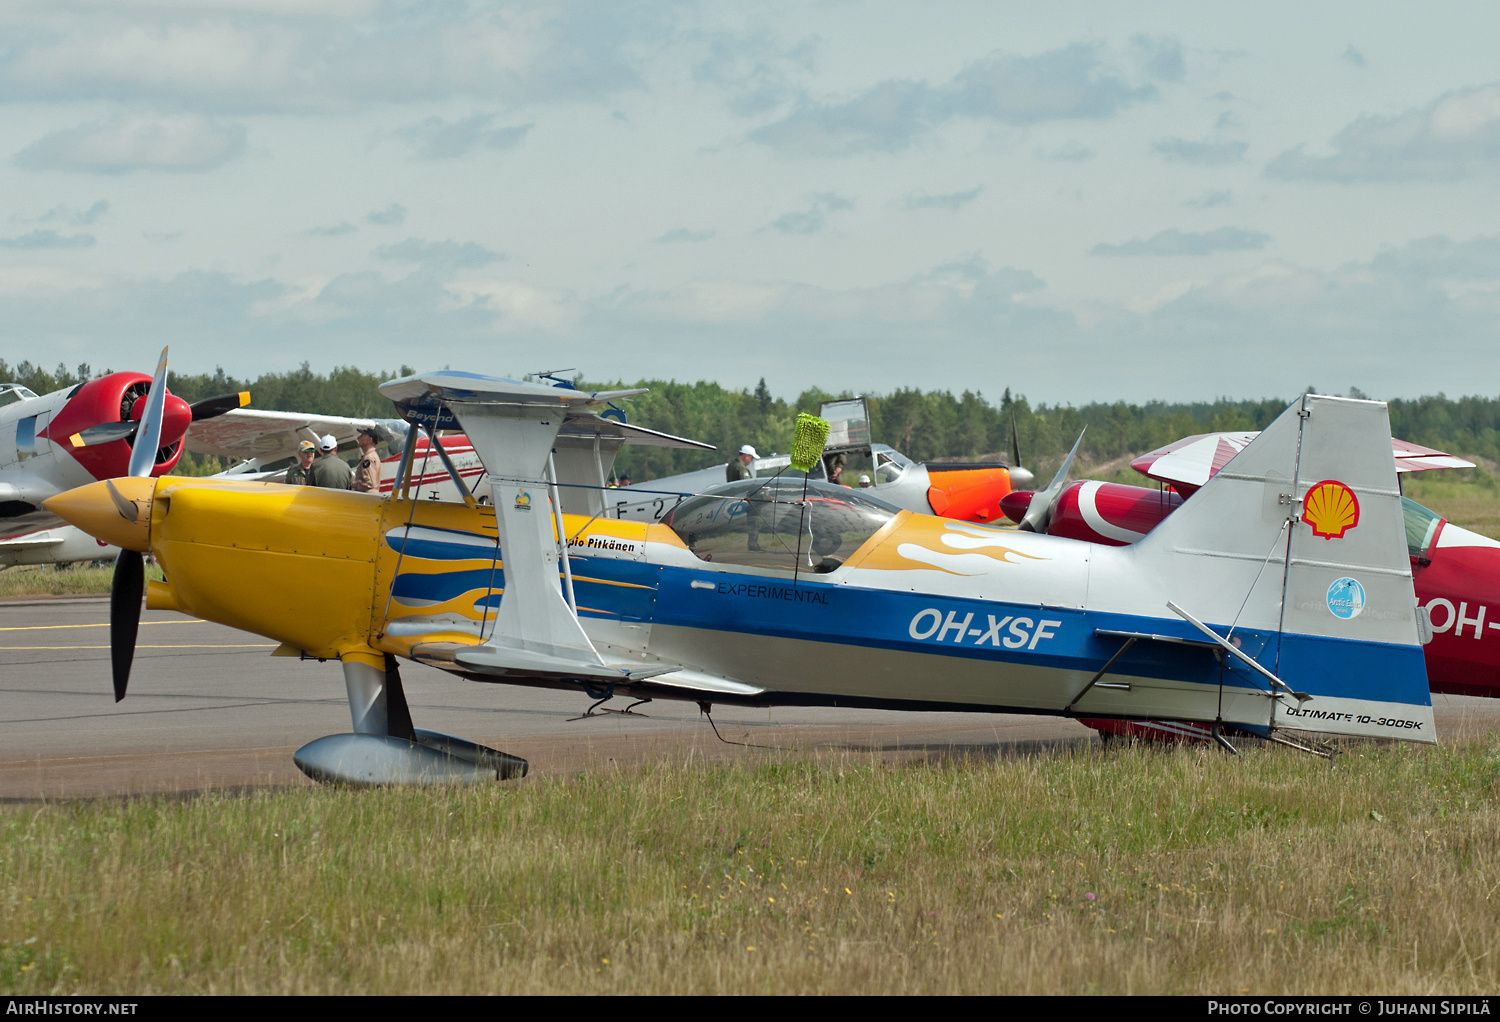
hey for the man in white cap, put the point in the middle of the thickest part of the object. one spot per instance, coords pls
(740, 468)
(329, 469)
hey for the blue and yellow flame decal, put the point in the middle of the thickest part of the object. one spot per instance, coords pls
(446, 571)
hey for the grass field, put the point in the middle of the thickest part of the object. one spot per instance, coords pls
(1127, 870)
(72, 580)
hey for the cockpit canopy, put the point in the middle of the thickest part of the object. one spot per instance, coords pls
(767, 524)
(10, 393)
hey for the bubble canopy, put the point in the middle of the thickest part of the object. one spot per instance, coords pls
(765, 526)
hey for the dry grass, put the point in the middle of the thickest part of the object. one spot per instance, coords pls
(1476, 509)
(1131, 870)
(81, 579)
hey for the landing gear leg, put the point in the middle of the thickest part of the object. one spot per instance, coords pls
(385, 748)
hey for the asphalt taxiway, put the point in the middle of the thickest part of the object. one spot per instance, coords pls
(209, 707)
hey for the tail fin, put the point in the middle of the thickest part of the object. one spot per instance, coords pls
(1298, 546)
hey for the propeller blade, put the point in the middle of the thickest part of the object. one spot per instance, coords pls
(1020, 478)
(1039, 514)
(210, 407)
(123, 504)
(125, 615)
(104, 433)
(148, 437)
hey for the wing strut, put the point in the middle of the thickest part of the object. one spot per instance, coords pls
(1131, 641)
(562, 533)
(442, 454)
(1276, 683)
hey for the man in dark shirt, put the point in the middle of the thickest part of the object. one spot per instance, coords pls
(300, 474)
(329, 470)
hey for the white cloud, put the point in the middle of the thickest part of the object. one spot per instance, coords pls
(130, 142)
(1082, 81)
(333, 231)
(440, 255)
(1456, 135)
(681, 234)
(48, 239)
(1208, 154)
(392, 215)
(1173, 242)
(950, 201)
(1272, 328)
(1211, 198)
(255, 57)
(71, 215)
(756, 70)
(812, 219)
(439, 139)
(1068, 152)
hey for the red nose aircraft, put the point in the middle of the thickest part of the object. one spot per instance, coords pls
(1456, 572)
(69, 438)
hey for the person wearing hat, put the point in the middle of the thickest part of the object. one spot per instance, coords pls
(740, 468)
(367, 472)
(300, 474)
(329, 470)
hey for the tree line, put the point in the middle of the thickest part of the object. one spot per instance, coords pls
(924, 425)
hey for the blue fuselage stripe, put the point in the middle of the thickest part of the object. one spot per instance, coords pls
(1047, 637)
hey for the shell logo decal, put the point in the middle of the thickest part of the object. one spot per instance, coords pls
(1330, 508)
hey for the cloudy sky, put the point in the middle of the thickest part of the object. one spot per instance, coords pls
(1078, 201)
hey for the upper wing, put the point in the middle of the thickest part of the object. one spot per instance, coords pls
(1192, 461)
(1416, 458)
(252, 433)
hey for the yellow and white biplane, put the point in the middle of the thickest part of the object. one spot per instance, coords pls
(771, 592)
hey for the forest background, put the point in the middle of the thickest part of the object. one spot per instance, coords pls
(926, 426)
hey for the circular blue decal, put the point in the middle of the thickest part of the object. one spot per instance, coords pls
(1346, 598)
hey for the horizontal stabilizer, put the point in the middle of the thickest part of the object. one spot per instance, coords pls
(528, 663)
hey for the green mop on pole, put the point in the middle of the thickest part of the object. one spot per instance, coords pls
(808, 440)
(807, 447)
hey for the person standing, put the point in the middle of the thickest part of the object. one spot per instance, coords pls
(740, 468)
(300, 474)
(329, 470)
(367, 473)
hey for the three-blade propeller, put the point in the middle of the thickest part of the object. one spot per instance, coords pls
(1039, 514)
(109, 432)
(129, 584)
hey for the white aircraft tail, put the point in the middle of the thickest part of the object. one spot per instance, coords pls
(1295, 553)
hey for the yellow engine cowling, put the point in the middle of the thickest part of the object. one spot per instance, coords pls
(293, 563)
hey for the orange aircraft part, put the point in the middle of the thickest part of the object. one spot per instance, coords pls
(968, 495)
